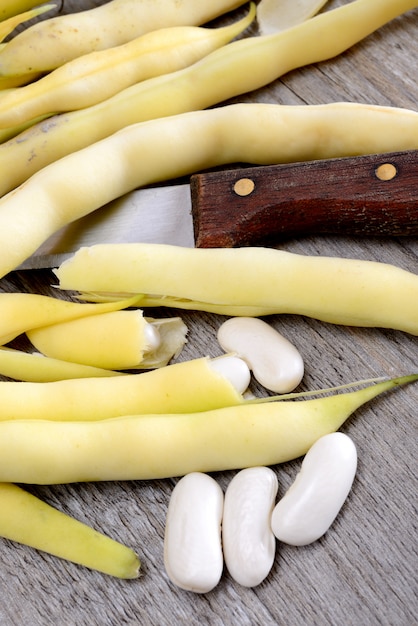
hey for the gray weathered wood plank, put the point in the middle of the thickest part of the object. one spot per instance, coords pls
(363, 572)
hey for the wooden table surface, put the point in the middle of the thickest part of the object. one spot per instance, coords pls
(363, 572)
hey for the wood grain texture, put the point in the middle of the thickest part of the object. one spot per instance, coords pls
(326, 197)
(363, 572)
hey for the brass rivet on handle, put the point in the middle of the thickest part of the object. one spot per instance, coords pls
(386, 171)
(244, 186)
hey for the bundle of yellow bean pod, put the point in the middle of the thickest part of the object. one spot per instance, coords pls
(141, 447)
(250, 281)
(236, 68)
(188, 387)
(51, 43)
(113, 341)
(174, 146)
(26, 519)
(95, 77)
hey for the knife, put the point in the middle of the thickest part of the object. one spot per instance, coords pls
(256, 205)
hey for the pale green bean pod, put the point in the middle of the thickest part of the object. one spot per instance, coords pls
(143, 447)
(174, 146)
(51, 43)
(237, 68)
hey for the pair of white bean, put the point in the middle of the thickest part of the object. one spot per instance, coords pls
(203, 527)
(274, 361)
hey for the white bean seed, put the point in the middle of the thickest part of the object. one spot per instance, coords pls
(192, 544)
(248, 542)
(234, 369)
(274, 361)
(314, 500)
(152, 337)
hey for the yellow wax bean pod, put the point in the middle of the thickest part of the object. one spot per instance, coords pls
(115, 340)
(237, 68)
(8, 25)
(10, 8)
(51, 43)
(11, 82)
(99, 75)
(20, 312)
(35, 367)
(235, 281)
(12, 131)
(26, 519)
(144, 447)
(174, 146)
(187, 387)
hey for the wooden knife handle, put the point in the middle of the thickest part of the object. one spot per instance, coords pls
(367, 195)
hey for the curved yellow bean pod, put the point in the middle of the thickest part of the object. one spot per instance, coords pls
(13, 82)
(236, 68)
(26, 519)
(7, 26)
(97, 76)
(188, 387)
(174, 146)
(34, 367)
(114, 340)
(51, 43)
(20, 312)
(158, 446)
(262, 280)
(12, 131)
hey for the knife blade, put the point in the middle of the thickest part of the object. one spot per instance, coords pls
(255, 205)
